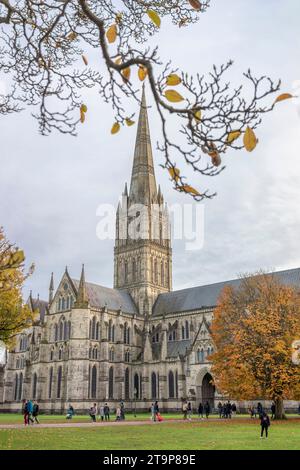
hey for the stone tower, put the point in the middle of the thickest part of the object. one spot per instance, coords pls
(143, 255)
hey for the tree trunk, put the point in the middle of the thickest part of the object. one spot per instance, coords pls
(279, 409)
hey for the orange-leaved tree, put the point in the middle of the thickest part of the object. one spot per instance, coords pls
(254, 327)
(14, 315)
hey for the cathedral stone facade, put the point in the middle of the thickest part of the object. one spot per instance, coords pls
(137, 342)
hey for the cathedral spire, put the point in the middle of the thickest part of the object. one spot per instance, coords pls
(143, 185)
(51, 289)
(82, 300)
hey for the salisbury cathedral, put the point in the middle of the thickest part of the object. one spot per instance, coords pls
(138, 341)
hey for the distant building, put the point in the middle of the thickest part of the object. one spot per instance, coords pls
(139, 341)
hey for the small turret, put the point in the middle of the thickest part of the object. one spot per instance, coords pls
(82, 299)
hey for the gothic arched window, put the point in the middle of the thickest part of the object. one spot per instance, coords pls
(162, 274)
(153, 385)
(176, 384)
(94, 382)
(202, 355)
(20, 390)
(34, 386)
(136, 386)
(94, 328)
(126, 271)
(134, 270)
(60, 353)
(126, 384)
(61, 330)
(187, 330)
(65, 330)
(113, 333)
(59, 379)
(171, 385)
(97, 331)
(111, 382)
(16, 386)
(125, 333)
(50, 382)
(155, 272)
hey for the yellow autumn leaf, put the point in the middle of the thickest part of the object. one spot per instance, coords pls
(142, 73)
(82, 116)
(129, 122)
(119, 18)
(189, 189)
(111, 33)
(84, 59)
(115, 128)
(71, 36)
(154, 17)
(198, 115)
(118, 60)
(173, 96)
(173, 79)
(196, 4)
(17, 258)
(283, 97)
(83, 108)
(250, 139)
(174, 173)
(232, 136)
(126, 73)
(215, 158)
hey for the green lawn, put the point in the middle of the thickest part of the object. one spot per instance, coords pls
(235, 434)
(14, 418)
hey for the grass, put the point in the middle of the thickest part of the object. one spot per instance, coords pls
(239, 433)
(7, 418)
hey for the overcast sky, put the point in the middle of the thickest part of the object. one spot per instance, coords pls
(50, 187)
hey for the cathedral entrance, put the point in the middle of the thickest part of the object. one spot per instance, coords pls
(208, 390)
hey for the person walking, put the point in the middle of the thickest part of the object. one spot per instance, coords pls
(220, 408)
(101, 413)
(122, 408)
(25, 412)
(273, 409)
(30, 411)
(152, 412)
(70, 412)
(93, 412)
(233, 408)
(259, 409)
(118, 414)
(189, 411)
(200, 410)
(35, 412)
(265, 424)
(207, 409)
(106, 412)
(185, 410)
(156, 410)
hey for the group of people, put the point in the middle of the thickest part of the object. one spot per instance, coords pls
(226, 410)
(30, 411)
(103, 411)
(155, 414)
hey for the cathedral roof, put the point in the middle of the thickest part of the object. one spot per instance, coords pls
(113, 299)
(197, 298)
(38, 304)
